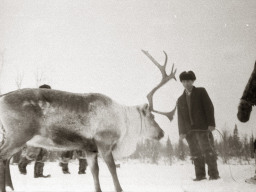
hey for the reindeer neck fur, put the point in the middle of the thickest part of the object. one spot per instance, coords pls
(249, 94)
(131, 132)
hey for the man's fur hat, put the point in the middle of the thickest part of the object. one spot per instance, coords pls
(190, 75)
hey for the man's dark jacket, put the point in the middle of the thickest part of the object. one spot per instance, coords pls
(202, 111)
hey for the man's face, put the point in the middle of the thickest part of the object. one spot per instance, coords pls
(188, 84)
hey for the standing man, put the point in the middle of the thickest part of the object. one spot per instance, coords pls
(196, 121)
(34, 153)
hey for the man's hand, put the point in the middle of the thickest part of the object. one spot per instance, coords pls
(211, 128)
(182, 136)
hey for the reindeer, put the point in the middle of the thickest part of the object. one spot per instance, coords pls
(247, 102)
(59, 120)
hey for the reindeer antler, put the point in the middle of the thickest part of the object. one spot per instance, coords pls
(165, 79)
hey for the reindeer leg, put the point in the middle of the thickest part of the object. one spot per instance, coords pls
(2, 175)
(108, 158)
(8, 179)
(93, 163)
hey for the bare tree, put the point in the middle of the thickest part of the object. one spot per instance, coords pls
(2, 54)
(19, 79)
(39, 77)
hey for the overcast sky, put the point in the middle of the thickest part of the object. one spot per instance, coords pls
(95, 46)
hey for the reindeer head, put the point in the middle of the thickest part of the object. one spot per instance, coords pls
(154, 130)
(150, 128)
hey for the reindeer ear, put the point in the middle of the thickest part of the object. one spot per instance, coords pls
(145, 109)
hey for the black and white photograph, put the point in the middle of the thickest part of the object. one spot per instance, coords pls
(127, 96)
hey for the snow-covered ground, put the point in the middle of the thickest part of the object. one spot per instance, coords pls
(136, 177)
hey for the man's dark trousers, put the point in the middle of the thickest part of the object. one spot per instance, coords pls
(201, 146)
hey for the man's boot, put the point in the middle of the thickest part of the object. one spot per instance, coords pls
(23, 165)
(82, 166)
(39, 169)
(211, 160)
(199, 163)
(64, 166)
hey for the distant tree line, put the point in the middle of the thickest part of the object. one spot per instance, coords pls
(230, 146)
(150, 151)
